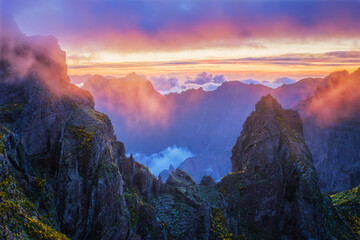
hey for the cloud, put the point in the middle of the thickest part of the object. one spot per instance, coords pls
(284, 80)
(210, 86)
(273, 84)
(249, 81)
(201, 79)
(138, 26)
(37, 57)
(338, 101)
(219, 79)
(206, 78)
(132, 99)
(327, 59)
(161, 161)
(164, 84)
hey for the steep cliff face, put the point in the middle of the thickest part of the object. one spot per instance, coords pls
(72, 149)
(336, 153)
(332, 131)
(50, 134)
(62, 169)
(274, 177)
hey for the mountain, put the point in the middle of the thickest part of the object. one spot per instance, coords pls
(273, 192)
(331, 127)
(206, 123)
(61, 166)
(275, 176)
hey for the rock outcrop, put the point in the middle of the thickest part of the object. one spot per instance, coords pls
(179, 178)
(274, 177)
(332, 131)
(207, 181)
(51, 132)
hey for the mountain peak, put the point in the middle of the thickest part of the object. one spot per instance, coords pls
(269, 123)
(133, 76)
(268, 103)
(274, 174)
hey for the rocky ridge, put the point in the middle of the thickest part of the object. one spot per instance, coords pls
(64, 174)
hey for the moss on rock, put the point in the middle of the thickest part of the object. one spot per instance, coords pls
(19, 217)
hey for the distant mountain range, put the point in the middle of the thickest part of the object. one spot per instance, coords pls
(206, 122)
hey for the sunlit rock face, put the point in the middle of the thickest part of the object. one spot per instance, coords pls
(274, 177)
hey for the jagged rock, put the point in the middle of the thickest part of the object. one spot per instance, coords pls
(207, 181)
(165, 173)
(179, 178)
(273, 191)
(54, 134)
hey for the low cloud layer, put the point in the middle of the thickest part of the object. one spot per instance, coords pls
(273, 84)
(161, 161)
(201, 79)
(177, 83)
(207, 81)
(164, 84)
(204, 78)
(284, 80)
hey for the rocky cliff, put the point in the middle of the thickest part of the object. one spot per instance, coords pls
(332, 131)
(275, 177)
(272, 192)
(65, 176)
(61, 165)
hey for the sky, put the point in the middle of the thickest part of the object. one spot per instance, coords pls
(256, 40)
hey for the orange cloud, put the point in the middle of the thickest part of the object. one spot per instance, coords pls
(338, 101)
(133, 99)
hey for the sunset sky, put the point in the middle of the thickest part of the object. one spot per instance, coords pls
(261, 40)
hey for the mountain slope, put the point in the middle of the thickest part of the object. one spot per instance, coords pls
(331, 128)
(273, 192)
(277, 178)
(60, 153)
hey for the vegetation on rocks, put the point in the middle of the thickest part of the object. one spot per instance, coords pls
(11, 107)
(83, 135)
(19, 217)
(219, 228)
(347, 204)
